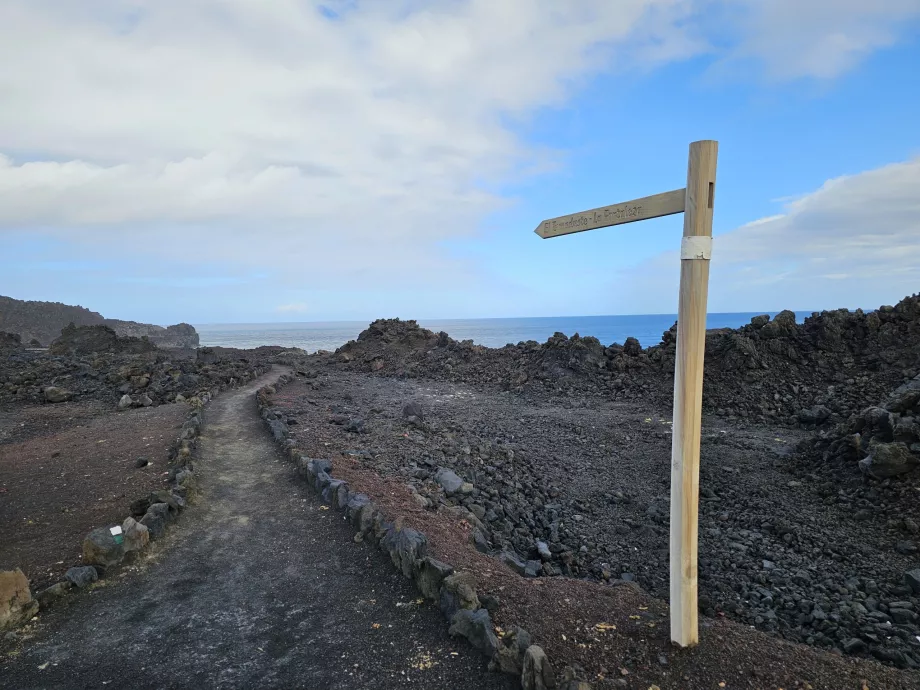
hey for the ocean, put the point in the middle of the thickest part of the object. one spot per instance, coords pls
(329, 335)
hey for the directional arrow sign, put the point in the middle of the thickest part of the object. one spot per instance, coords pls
(665, 204)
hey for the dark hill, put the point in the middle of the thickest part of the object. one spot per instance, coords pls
(44, 321)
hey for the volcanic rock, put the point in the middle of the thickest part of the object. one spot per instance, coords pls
(54, 394)
(888, 460)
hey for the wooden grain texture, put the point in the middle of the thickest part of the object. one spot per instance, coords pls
(664, 204)
(688, 397)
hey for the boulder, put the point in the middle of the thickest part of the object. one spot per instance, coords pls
(356, 503)
(514, 644)
(125, 402)
(165, 510)
(320, 466)
(513, 561)
(632, 347)
(409, 549)
(458, 591)
(912, 580)
(164, 496)
(905, 397)
(355, 426)
(476, 627)
(480, 541)
(55, 394)
(16, 602)
(82, 576)
(782, 325)
(279, 430)
(888, 460)
(139, 507)
(47, 597)
(340, 499)
(186, 479)
(854, 646)
(100, 548)
(365, 522)
(330, 490)
(814, 415)
(448, 480)
(136, 535)
(322, 482)
(429, 576)
(902, 616)
(538, 673)
(155, 520)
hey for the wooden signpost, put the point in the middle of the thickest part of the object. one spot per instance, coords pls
(696, 203)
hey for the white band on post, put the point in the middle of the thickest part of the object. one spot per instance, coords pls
(696, 247)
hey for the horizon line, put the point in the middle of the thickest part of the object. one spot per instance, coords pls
(493, 318)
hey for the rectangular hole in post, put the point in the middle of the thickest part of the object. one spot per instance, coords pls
(712, 193)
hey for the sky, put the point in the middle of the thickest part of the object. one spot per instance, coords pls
(219, 161)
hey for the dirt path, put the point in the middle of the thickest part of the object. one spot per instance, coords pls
(259, 587)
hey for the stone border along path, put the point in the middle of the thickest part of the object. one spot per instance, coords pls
(101, 551)
(454, 592)
(249, 592)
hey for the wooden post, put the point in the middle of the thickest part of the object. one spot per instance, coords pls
(688, 389)
(696, 202)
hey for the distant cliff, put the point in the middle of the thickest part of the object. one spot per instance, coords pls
(44, 321)
(180, 335)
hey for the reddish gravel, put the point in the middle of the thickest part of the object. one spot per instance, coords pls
(570, 618)
(69, 468)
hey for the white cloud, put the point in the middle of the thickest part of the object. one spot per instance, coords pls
(265, 134)
(359, 142)
(296, 308)
(852, 242)
(195, 109)
(817, 38)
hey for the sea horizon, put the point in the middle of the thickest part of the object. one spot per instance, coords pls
(490, 332)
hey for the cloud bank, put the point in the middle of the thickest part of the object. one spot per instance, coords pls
(854, 241)
(339, 139)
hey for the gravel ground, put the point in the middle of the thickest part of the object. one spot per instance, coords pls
(69, 468)
(780, 549)
(257, 586)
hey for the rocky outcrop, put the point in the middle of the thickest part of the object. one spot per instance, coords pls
(882, 440)
(771, 370)
(39, 323)
(152, 377)
(10, 343)
(42, 321)
(88, 340)
(181, 335)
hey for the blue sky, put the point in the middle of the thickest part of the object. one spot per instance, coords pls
(206, 162)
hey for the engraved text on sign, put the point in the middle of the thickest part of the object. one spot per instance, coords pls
(664, 204)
